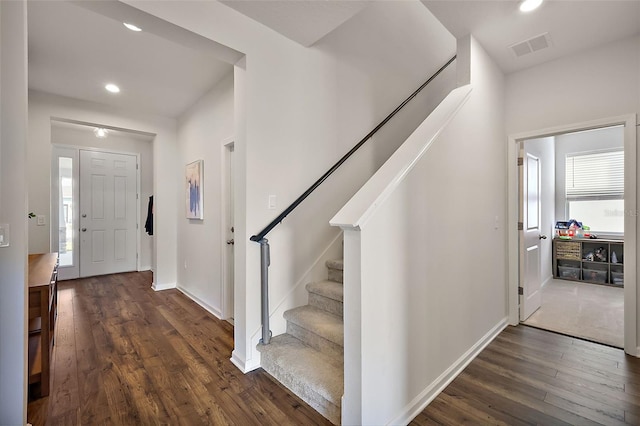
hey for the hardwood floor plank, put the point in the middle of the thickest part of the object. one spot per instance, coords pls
(531, 365)
(65, 389)
(140, 357)
(513, 409)
(595, 414)
(591, 393)
(456, 410)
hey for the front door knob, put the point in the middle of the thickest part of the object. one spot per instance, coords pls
(84, 229)
(230, 242)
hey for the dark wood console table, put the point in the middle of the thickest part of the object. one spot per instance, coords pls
(43, 301)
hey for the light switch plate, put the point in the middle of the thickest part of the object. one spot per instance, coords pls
(4, 235)
(41, 220)
(272, 202)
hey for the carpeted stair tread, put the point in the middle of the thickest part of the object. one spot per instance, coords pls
(335, 270)
(335, 264)
(315, 377)
(330, 289)
(318, 321)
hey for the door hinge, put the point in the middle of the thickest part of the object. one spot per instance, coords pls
(520, 226)
(520, 161)
(136, 166)
(520, 290)
(137, 196)
(137, 226)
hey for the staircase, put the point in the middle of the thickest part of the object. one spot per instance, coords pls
(308, 358)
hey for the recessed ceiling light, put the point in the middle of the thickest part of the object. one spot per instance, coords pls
(529, 5)
(112, 88)
(100, 133)
(132, 27)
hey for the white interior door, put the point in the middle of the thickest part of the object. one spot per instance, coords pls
(229, 233)
(531, 234)
(108, 213)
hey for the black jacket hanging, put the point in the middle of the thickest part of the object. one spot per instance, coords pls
(148, 225)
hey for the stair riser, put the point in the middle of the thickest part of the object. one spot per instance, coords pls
(334, 307)
(323, 406)
(317, 342)
(335, 275)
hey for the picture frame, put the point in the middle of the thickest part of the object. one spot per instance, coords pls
(194, 185)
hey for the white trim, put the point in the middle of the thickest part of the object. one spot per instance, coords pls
(253, 362)
(159, 287)
(242, 366)
(420, 402)
(213, 311)
(227, 285)
(631, 236)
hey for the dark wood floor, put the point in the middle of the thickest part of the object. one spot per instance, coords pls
(528, 376)
(126, 355)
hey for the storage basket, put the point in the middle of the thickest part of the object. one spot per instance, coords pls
(569, 272)
(617, 278)
(594, 275)
(569, 250)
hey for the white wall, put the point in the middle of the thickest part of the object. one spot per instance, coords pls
(599, 83)
(43, 107)
(593, 85)
(432, 288)
(544, 149)
(13, 210)
(304, 108)
(201, 132)
(116, 142)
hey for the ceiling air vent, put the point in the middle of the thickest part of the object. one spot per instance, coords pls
(531, 45)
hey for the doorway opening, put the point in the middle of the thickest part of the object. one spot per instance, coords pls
(95, 204)
(573, 183)
(572, 205)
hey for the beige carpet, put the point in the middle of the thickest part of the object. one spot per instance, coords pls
(588, 311)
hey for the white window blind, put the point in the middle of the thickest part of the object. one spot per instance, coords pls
(595, 176)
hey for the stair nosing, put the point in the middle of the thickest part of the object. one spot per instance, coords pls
(323, 390)
(324, 283)
(333, 320)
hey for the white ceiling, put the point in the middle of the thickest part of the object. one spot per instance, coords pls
(74, 51)
(303, 21)
(572, 26)
(75, 48)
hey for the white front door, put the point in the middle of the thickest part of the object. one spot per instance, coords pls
(531, 234)
(108, 213)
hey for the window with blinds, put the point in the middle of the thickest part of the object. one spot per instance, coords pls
(595, 176)
(595, 190)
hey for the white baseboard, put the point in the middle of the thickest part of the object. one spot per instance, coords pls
(425, 397)
(213, 311)
(244, 366)
(159, 287)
